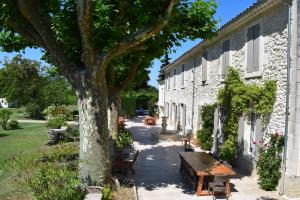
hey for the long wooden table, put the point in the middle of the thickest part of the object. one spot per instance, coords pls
(203, 165)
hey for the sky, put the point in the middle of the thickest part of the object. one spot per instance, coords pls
(227, 9)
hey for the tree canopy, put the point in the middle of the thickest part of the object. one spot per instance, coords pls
(90, 41)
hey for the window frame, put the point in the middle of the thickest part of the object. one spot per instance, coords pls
(255, 74)
(222, 76)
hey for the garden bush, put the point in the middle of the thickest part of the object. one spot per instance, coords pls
(57, 111)
(204, 135)
(55, 123)
(269, 162)
(124, 139)
(52, 175)
(13, 124)
(106, 193)
(55, 181)
(5, 115)
(34, 111)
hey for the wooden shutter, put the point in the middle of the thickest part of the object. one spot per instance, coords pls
(256, 33)
(182, 74)
(259, 133)
(250, 50)
(241, 130)
(174, 78)
(204, 66)
(225, 56)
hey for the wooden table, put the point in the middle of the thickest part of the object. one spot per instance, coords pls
(203, 165)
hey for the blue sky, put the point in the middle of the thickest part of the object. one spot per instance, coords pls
(226, 10)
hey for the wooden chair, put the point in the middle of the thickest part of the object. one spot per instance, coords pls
(218, 186)
(125, 165)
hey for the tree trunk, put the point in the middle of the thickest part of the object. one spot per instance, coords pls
(95, 168)
(114, 108)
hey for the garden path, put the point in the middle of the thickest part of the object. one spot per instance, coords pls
(157, 169)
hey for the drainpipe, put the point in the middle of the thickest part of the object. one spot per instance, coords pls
(287, 112)
(193, 96)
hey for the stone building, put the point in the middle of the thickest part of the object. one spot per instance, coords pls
(257, 43)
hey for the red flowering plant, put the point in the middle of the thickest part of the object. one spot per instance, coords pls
(269, 162)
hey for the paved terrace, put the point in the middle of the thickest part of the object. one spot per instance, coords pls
(157, 169)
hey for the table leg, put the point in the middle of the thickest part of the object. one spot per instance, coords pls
(200, 184)
(228, 188)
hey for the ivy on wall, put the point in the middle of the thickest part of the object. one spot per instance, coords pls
(238, 98)
(204, 135)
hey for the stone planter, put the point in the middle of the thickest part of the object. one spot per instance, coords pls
(56, 135)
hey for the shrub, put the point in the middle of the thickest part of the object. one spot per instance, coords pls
(34, 111)
(53, 174)
(4, 117)
(106, 193)
(13, 124)
(52, 181)
(204, 135)
(124, 139)
(57, 111)
(269, 162)
(55, 123)
(228, 150)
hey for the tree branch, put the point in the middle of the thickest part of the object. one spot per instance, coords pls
(129, 78)
(31, 10)
(135, 39)
(84, 15)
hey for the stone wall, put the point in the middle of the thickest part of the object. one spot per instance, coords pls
(274, 39)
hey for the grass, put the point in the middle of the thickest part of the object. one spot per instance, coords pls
(23, 142)
(17, 113)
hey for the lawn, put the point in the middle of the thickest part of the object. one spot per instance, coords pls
(27, 140)
(17, 113)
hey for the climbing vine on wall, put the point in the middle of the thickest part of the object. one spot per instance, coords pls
(204, 135)
(237, 98)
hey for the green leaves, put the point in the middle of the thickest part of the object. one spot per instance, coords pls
(238, 98)
(269, 162)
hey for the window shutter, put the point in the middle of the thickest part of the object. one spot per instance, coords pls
(174, 78)
(259, 133)
(241, 130)
(182, 74)
(204, 66)
(256, 33)
(225, 56)
(250, 50)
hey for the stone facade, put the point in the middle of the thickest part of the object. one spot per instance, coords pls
(185, 92)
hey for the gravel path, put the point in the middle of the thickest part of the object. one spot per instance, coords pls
(157, 170)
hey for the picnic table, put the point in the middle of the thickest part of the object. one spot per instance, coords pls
(203, 165)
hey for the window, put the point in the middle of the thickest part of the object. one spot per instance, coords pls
(225, 57)
(253, 50)
(204, 66)
(182, 74)
(174, 78)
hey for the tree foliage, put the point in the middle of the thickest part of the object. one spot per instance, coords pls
(88, 41)
(25, 82)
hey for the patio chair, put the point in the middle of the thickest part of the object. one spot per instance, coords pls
(218, 185)
(125, 165)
